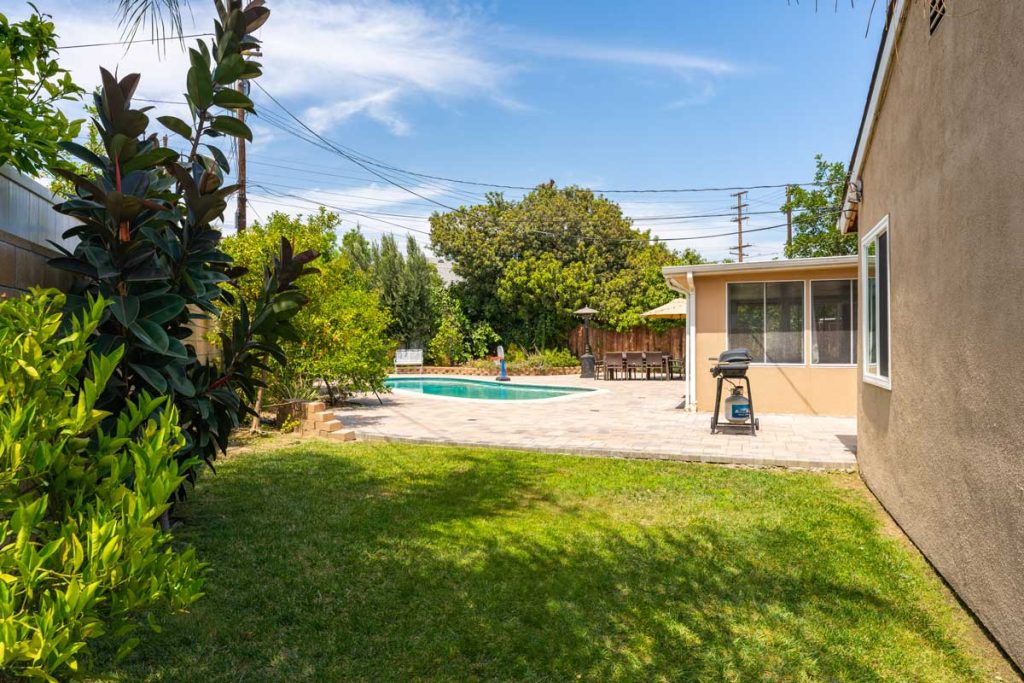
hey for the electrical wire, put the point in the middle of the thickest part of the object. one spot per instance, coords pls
(351, 158)
(132, 42)
(365, 161)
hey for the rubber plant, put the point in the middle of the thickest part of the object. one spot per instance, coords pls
(149, 244)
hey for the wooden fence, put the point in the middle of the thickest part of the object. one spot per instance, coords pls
(672, 341)
(27, 224)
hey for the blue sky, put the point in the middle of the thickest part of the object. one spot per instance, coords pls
(606, 94)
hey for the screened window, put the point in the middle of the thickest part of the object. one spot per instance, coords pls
(833, 312)
(768, 319)
(875, 274)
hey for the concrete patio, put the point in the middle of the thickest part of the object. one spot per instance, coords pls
(634, 419)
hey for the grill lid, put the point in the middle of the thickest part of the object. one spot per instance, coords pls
(735, 356)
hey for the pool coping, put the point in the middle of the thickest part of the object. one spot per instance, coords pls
(574, 393)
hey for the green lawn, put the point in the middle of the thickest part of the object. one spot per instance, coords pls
(393, 563)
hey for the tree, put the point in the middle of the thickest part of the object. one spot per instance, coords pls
(134, 14)
(358, 250)
(32, 85)
(406, 284)
(640, 286)
(416, 312)
(147, 243)
(816, 213)
(62, 187)
(526, 265)
(341, 333)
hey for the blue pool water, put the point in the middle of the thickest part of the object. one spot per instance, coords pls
(480, 389)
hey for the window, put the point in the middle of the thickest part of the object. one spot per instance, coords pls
(768, 319)
(874, 249)
(833, 312)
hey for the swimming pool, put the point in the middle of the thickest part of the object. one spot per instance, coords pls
(460, 387)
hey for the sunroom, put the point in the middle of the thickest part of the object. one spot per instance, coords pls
(798, 319)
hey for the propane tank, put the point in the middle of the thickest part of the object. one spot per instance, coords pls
(737, 406)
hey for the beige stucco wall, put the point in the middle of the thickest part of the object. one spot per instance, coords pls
(944, 449)
(806, 389)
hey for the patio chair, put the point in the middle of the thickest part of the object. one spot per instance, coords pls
(654, 361)
(613, 362)
(634, 362)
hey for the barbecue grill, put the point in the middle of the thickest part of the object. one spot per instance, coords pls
(732, 364)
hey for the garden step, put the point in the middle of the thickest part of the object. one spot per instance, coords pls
(323, 417)
(325, 428)
(313, 408)
(343, 435)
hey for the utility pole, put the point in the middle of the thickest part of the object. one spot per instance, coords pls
(739, 224)
(240, 217)
(789, 218)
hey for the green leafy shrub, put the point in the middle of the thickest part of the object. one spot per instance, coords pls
(287, 384)
(482, 339)
(341, 334)
(80, 552)
(145, 221)
(448, 347)
(517, 359)
(457, 340)
(32, 87)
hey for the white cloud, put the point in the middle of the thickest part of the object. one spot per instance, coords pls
(702, 96)
(347, 59)
(680, 62)
(378, 106)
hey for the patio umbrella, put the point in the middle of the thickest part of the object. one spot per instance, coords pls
(673, 309)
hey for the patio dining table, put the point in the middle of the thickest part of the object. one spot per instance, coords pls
(670, 367)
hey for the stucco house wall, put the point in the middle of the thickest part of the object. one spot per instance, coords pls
(806, 389)
(943, 450)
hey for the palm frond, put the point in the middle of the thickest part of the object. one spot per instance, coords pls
(162, 16)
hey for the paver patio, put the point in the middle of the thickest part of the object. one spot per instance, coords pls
(637, 419)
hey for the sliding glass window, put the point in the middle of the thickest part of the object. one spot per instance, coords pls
(874, 250)
(768, 319)
(833, 312)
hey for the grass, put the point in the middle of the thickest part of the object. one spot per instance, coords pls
(394, 563)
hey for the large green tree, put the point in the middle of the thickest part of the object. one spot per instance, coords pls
(407, 284)
(526, 265)
(815, 214)
(32, 86)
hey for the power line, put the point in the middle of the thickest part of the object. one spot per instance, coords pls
(352, 154)
(364, 161)
(132, 42)
(345, 154)
(336, 208)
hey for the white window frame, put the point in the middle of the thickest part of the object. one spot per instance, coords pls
(876, 379)
(804, 288)
(854, 281)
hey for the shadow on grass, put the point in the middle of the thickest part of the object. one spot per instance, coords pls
(327, 568)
